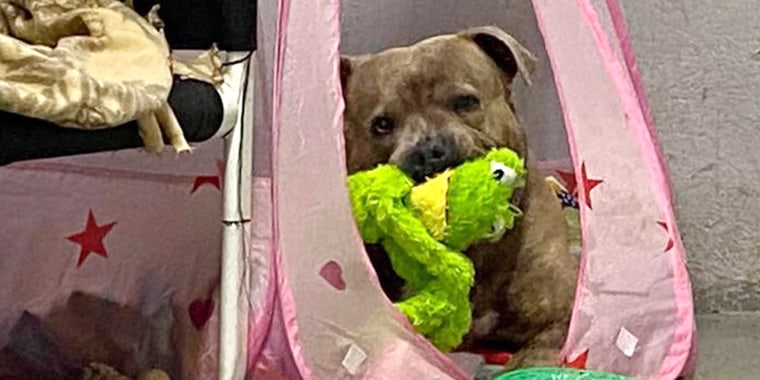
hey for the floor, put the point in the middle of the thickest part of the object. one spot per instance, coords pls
(729, 346)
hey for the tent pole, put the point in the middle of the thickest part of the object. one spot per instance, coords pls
(236, 198)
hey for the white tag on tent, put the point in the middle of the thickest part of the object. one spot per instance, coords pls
(354, 358)
(626, 342)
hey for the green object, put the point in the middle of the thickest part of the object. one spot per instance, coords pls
(425, 228)
(558, 374)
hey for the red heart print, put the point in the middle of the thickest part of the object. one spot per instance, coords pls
(200, 311)
(333, 274)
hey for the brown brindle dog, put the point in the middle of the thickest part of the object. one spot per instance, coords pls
(432, 105)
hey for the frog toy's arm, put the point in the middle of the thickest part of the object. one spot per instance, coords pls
(438, 277)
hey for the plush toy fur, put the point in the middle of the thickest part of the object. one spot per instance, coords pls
(425, 228)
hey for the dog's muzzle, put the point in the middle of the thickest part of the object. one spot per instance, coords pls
(430, 156)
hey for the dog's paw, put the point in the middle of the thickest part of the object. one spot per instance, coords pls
(483, 325)
(98, 371)
(154, 374)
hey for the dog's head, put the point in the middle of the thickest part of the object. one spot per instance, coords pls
(434, 104)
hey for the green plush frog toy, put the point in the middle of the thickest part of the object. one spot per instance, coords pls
(425, 229)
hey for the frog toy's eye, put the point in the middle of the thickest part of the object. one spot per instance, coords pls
(498, 228)
(502, 173)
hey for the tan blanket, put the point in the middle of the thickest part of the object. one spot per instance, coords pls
(87, 64)
(98, 371)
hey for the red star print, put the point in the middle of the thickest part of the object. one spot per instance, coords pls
(579, 362)
(588, 185)
(569, 179)
(205, 180)
(91, 239)
(215, 180)
(670, 239)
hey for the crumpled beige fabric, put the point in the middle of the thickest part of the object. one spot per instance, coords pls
(206, 67)
(87, 64)
(99, 371)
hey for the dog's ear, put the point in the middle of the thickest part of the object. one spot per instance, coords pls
(504, 50)
(347, 65)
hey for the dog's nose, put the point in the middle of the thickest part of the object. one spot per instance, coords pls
(430, 156)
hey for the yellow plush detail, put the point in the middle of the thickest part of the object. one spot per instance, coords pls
(429, 201)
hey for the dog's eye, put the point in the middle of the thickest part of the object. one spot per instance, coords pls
(382, 125)
(465, 103)
(503, 173)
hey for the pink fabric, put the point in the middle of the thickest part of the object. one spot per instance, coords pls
(268, 351)
(314, 323)
(673, 363)
(579, 291)
(605, 298)
(287, 304)
(276, 358)
(164, 246)
(686, 340)
(262, 280)
(621, 31)
(261, 255)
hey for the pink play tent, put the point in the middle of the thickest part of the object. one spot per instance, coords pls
(250, 241)
(316, 309)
